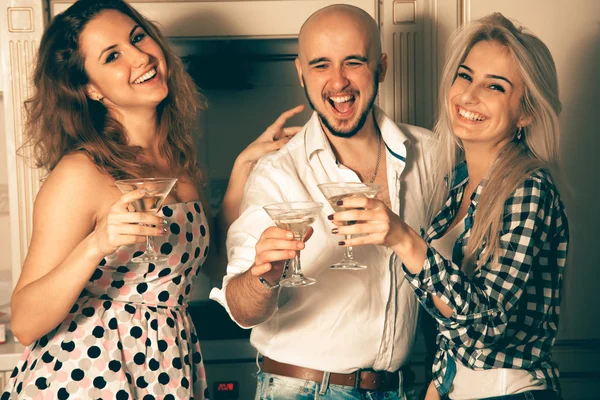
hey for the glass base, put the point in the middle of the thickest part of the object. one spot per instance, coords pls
(297, 281)
(149, 258)
(348, 265)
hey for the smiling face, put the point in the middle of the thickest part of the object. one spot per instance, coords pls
(340, 67)
(485, 98)
(125, 66)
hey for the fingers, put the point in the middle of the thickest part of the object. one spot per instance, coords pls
(115, 218)
(140, 230)
(308, 234)
(278, 125)
(291, 130)
(127, 199)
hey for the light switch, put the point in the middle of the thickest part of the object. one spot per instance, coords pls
(405, 12)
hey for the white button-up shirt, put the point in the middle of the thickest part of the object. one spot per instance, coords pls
(348, 319)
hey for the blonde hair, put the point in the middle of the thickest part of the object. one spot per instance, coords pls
(538, 149)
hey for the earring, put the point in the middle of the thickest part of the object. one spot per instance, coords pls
(520, 132)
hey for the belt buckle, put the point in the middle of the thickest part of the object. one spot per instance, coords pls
(357, 379)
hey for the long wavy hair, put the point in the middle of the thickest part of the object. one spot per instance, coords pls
(61, 119)
(537, 149)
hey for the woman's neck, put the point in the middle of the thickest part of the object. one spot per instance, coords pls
(141, 129)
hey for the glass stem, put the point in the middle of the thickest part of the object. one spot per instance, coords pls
(297, 266)
(349, 255)
(150, 245)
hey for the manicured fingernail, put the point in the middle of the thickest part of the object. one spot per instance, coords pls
(334, 230)
(340, 202)
(164, 221)
(330, 217)
(351, 222)
(341, 243)
(142, 191)
(165, 231)
(289, 235)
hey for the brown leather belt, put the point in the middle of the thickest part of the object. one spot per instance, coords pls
(381, 381)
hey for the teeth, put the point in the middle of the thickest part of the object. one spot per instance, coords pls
(470, 115)
(341, 99)
(146, 76)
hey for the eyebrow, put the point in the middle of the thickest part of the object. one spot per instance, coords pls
(114, 45)
(351, 57)
(487, 75)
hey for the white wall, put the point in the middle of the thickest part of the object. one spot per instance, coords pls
(5, 251)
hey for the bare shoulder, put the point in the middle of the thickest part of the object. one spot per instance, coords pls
(76, 183)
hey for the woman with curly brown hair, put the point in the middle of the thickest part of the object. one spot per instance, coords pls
(113, 101)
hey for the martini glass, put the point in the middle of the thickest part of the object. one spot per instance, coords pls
(335, 192)
(157, 190)
(295, 216)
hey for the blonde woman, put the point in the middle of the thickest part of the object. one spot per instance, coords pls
(489, 268)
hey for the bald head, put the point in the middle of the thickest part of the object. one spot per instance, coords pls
(340, 18)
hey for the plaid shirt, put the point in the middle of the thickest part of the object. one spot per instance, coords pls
(506, 314)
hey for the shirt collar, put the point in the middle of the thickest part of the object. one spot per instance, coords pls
(396, 141)
(460, 179)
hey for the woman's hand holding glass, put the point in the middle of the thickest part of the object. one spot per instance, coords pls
(375, 224)
(122, 227)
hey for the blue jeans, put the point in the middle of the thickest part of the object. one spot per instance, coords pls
(277, 387)
(530, 395)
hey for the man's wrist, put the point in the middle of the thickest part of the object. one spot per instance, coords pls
(267, 284)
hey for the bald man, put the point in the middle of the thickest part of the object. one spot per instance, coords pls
(348, 335)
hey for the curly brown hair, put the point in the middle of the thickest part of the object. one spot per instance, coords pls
(62, 120)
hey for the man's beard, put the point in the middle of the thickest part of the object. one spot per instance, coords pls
(361, 120)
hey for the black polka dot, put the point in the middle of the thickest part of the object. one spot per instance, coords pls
(114, 365)
(43, 341)
(113, 324)
(197, 208)
(187, 271)
(128, 376)
(77, 374)
(196, 358)
(190, 216)
(122, 269)
(162, 345)
(141, 382)
(202, 230)
(137, 254)
(170, 322)
(88, 311)
(177, 280)
(189, 236)
(153, 364)
(47, 357)
(148, 342)
(183, 334)
(164, 272)
(180, 299)
(96, 275)
(175, 229)
(107, 305)
(24, 366)
(163, 296)
(185, 257)
(186, 359)
(187, 289)
(120, 345)
(197, 252)
(103, 262)
(16, 371)
(139, 358)
(57, 365)
(72, 326)
(177, 362)
(151, 267)
(129, 308)
(149, 397)
(205, 251)
(166, 248)
(67, 346)
(117, 284)
(94, 352)
(194, 338)
(163, 378)
(63, 394)
(136, 332)
(41, 383)
(33, 364)
(171, 397)
(154, 324)
(99, 382)
(142, 287)
(185, 383)
(98, 332)
(122, 395)
(167, 212)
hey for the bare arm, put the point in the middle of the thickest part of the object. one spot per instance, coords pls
(251, 302)
(67, 245)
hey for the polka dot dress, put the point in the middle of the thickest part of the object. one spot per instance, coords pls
(129, 335)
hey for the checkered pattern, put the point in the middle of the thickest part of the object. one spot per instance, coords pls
(506, 315)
